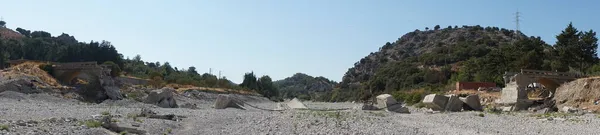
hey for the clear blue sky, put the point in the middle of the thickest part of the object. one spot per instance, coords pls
(276, 37)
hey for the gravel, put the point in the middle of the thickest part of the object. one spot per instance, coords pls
(45, 114)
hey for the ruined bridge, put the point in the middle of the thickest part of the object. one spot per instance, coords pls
(517, 82)
(66, 72)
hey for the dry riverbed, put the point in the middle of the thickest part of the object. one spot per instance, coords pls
(44, 114)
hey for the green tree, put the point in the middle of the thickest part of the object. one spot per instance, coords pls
(249, 81)
(2, 24)
(437, 27)
(577, 49)
(115, 70)
(266, 88)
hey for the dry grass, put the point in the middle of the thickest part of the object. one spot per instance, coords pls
(31, 69)
(580, 93)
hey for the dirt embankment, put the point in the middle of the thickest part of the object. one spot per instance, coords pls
(581, 93)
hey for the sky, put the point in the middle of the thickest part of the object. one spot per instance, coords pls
(279, 37)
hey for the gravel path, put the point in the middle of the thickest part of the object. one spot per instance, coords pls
(44, 114)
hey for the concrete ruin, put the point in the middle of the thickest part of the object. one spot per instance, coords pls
(454, 104)
(435, 102)
(162, 98)
(515, 92)
(387, 102)
(226, 101)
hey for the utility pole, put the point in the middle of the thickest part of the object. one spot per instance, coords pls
(518, 21)
(210, 71)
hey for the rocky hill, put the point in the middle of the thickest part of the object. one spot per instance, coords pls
(305, 86)
(430, 50)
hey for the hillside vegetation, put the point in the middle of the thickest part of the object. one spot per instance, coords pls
(305, 87)
(431, 61)
(41, 45)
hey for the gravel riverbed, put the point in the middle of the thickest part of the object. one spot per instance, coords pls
(44, 114)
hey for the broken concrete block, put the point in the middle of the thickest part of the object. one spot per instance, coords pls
(507, 109)
(385, 100)
(454, 103)
(397, 108)
(435, 102)
(296, 104)
(225, 101)
(162, 98)
(473, 102)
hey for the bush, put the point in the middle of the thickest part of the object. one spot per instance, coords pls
(115, 70)
(410, 97)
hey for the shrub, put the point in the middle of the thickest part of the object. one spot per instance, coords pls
(115, 70)
(410, 97)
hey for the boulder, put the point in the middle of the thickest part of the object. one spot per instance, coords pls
(385, 100)
(162, 98)
(226, 101)
(296, 104)
(435, 102)
(397, 108)
(472, 101)
(454, 103)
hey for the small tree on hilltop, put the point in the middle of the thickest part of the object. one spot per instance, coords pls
(437, 27)
(426, 28)
(2, 24)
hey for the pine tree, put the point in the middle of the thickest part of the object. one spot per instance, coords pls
(566, 45)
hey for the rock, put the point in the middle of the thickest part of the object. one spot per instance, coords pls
(397, 108)
(507, 109)
(543, 111)
(435, 102)
(473, 102)
(225, 101)
(568, 109)
(385, 100)
(162, 98)
(454, 104)
(296, 104)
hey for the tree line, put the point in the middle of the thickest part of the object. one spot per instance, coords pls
(41, 45)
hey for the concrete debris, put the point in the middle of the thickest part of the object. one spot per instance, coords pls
(568, 109)
(473, 102)
(226, 101)
(435, 102)
(296, 104)
(397, 108)
(454, 103)
(385, 100)
(507, 109)
(162, 98)
(145, 112)
(119, 128)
